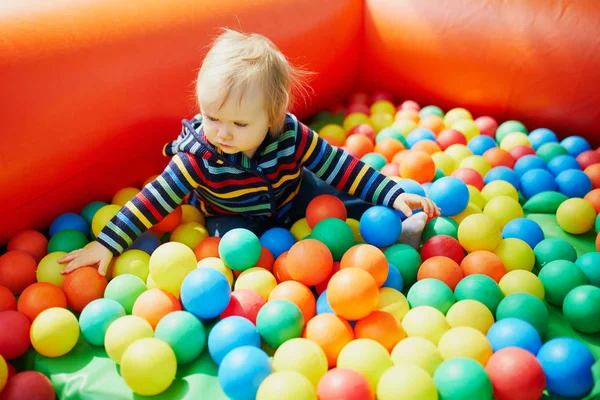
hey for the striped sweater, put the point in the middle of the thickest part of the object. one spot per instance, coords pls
(263, 185)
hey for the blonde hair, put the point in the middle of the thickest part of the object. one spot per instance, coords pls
(237, 60)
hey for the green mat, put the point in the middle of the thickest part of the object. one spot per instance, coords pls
(86, 373)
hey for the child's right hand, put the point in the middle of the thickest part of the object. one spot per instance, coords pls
(94, 254)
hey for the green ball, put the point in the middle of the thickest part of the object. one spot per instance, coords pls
(96, 317)
(240, 249)
(67, 240)
(375, 160)
(90, 210)
(125, 289)
(553, 249)
(440, 226)
(582, 308)
(393, 133)
(548, 151)
(431, 292)
(589, 263)
(279, 321)
(184, 333)
(431, 110)
(481, 288)
(559, 277)
(509, 127)
(406, 259)
(438, 174)
(335, 234)
(526, 307)
(597, 224)
(462, 378)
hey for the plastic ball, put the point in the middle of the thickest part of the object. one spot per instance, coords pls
(479, 232)
(469, 177)
(481, 288)
(525, 307)
(514, 139)
(541, 136)
(498, 189)
(382, 327)
(314, 272)
(588, 263)
(562, 163)
(302, 356)
(372, 367)
(39, 297)
(550, 150)
(431, 110)
(244, 303)
(499, 158)
(431, 292)
(369, 258)
(406, 259)
(551, 249)
(521, 281)
(373, 220)
(587, 159)
(390, 132)
(441, 268)
(487, 125)
(450, 194)
(503, 209)
(426, 322)
(344, 384)
(394, 278)
(559, 277)
(525, 229)
(125, 289)
(470, 313)
(419, 134)
(96, 317)
(29, 241)
(462, 378)
(102, 216)
(529, 162)
(515, 254)
(240, 249)
(205, 292)
(231, 333)
(465, 341)
(134, 262)
(242, 371)
(54, 332)
(516, 374)
(217, 264)
(405, 382)
(189, 234)
(28, 385)
(575, 145)
(352, 293)
(480, 144)
(456, 114)
(82, 286)
(170, 264)
(153, 304)
(477, 163)
(521, 151)
(405, 126)
(14, 334)
(69, 221)
(8, 300)
(17, 271)
(418, 166)
(483, 262)
(331, 333)
(440, 226)
(298, 294)
(576, 216)
(258, 279)
(184, 333)
(286, 385)
(573, 183)
(581, 307)
(335, 234)
(444, 162)
(123, 332)
(450, 137)
(417, 351)
(278, 321)
(514, 332)
(394, 302)
(209, 247)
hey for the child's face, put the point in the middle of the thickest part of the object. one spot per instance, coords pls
(240, 125)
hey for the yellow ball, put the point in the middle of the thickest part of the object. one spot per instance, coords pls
(190, 213)
(406, 382)
(355, 119)
(459, 152)
(467, 127)
(49, 269)
(190, 234)
(470, 313)
(417, 351)
(333, 131)
(169, 265)
(355, 226)
(123, 332)
(444, 162)
(124, 195)
(258, 279)
(521, 281)
(515, 254)
(302, 356)
(219, 265)
(393, 302)
(54, 332)
(383, 106)
(503, 209)
(405, 126)
(134, 262)
(476, 197)
(367, 357)
(3, 372)
(456, 114)
(477, 163)
(576, 216)
(467, 342)
(103, 216)
(381, 120)
(426, 322)
(288, 385)
(479, 232)
(150, 284)
(499, 188)
(514, 139)
(148, 366)
(469, 210)
(300, 229)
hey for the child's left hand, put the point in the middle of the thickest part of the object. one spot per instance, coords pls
(407, 202)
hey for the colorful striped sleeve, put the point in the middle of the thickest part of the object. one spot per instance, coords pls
(342, 170)
(156, 200)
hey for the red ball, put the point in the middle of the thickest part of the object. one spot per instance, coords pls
(344, 384)
(391, 169)
(14, 334)
(244, 303)
(588, 158)
(357, 108)
(443, 245)
(448, 137)
(323, 207)
(487, 125)
(17, 271)
(29, 241)
(469, 177)
(516, 375)
(309, 262)
(266, 259)
(28, 385)
(410, 105)
(7, 300)
(520, 151)
(364, 129)
(39, 297)
(82, 286)
(381, 95)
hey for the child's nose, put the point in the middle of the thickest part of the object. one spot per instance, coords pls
(223, 134)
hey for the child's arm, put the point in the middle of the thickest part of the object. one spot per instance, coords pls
(156, 200)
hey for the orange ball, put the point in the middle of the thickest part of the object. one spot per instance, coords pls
(434, 123)
(321, 287)
(389, 147)
(369, 258)
(418, 166)
(323, 207)
(331, 333)
(593, 197)
(309, 262)
(399, 157)
(82, 286)
(39, 297)
(593, 172)
(154, 304)
(382, 327)
(170, 222)
(298, 294)
(442, 268)
(390, 169)
(428, 146)
(209, 247)
(17, 271)
(485, 263)
(407, 113)
(499, 158)
(29, 241)
(360, 145)
(7, 300)
(352, 293)
(280, 269)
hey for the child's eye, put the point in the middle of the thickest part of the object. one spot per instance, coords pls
(211, 118)
(241, 125)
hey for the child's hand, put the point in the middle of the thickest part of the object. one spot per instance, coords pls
(95, 253)
(407, 202)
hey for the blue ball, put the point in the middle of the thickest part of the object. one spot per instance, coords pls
(277, 240)
(529, 162)
(411, 186)
(480, 144)
(323, 306)
(575, 145)
(96, 317)
(231, 333)
(419, 134)
(69, 221)
(242, 371)
(380, 226)
(426, 187)
(562, 163)
(573, 183)
(394, 278)
(567, 364)
(147, 242)
(525, 229)
(503, 174)
(536, 181)
(540, 136)
(513, 332)
(205, 292)
(450, 194)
